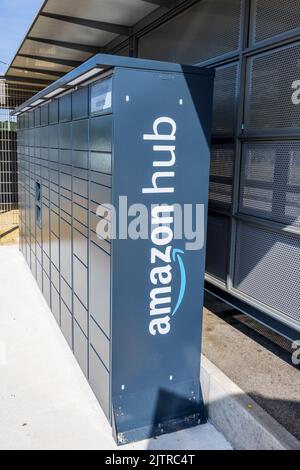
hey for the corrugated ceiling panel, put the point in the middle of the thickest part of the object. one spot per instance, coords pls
(125, 12)
(115, 12)
(62, 31)
(47, 50)
(33, 63)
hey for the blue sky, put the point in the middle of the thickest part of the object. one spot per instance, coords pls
(15, 18)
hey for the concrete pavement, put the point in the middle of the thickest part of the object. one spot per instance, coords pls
(45, 400)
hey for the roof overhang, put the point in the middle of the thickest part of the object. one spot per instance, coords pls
(95, 67)
(64, 34)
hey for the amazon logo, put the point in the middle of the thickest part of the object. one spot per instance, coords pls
(177, 256)
(164, 260)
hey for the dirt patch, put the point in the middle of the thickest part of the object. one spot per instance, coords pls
(9, 229)
(9, 238)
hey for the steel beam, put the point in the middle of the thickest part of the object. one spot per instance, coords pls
(42, 71)
(161, 3)
(101, 25)
(53, 60)
(68, 45)
(39, 81)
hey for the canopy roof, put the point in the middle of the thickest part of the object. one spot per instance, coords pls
(64, 34)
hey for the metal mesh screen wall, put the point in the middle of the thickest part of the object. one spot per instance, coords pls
(218, 233)
(273, 18)
(268, 268)
(220, 190)
(11, 95)
(253, 249)
(211, 28)
(225, 100)
(271, 79)
(270, 181)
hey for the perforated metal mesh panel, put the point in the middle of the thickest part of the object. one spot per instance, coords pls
(273, 17)
(268, 189)
(209, 29)
(270, 98)
(225, 100)
(221, 170)
(270, 181)
(123, 51)
(218, 233)
(268, 268)
(11, 95)
(8, 164)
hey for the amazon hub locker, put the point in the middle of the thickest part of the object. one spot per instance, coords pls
(105, 155)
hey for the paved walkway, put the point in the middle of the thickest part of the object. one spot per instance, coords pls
(45, 401)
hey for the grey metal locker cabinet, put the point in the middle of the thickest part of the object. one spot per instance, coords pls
(121, 131)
